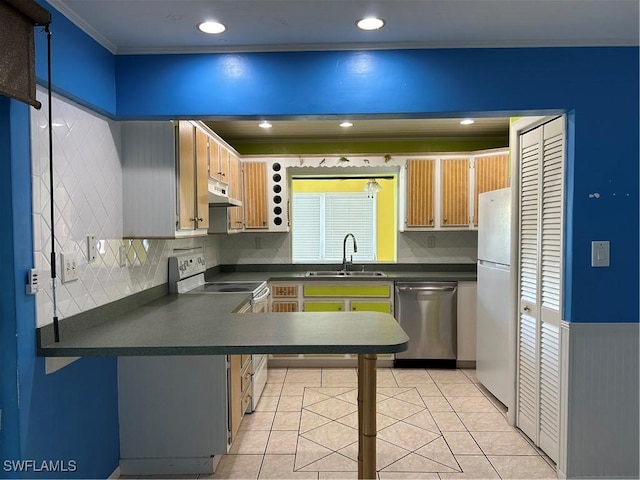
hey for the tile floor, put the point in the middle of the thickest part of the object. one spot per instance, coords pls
(432, 424)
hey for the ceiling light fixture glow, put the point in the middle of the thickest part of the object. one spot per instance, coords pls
(264, 124)
(346, 124)
(212, 28)
(370, 23)
(467, 121)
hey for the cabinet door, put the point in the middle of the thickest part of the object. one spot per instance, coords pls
(235, 395)
(454, 192)
(491, 172)
(255, 195)
(236, 214)
(420, 193)
(223, 165)
(186, 176)
(202, 179)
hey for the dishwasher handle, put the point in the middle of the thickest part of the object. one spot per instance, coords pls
(425, 289)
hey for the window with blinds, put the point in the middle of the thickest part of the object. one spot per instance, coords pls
(320, 222)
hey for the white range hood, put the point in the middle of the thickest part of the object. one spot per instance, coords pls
(219, 195)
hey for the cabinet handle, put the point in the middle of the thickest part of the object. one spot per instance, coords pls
(444, 220)
(222, 173)
(526, 309)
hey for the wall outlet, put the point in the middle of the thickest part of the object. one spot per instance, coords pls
(431, 241)
(33, 282)
(68, 267)
(92, 248)
(122, 253)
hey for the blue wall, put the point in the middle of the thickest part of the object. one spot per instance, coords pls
(73, 413)
(598, 86)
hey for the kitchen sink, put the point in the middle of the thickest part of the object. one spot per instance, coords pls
(342, 273)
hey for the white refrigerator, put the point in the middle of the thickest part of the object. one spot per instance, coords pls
(494, 314)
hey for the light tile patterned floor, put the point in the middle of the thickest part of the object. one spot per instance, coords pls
(432, 424)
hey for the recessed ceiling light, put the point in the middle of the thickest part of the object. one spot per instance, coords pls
(265, 124)
(370, 23)
(346, 124)
(467, 121)
(211, 27)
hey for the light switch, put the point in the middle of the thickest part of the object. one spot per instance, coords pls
(600, 254)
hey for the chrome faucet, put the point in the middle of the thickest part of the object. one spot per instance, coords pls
(344, 250)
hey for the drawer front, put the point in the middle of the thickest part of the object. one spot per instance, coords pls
(383, 291)
(280, 306)
(384, 307)
(284, 291)
(323, 306)
(245, 380)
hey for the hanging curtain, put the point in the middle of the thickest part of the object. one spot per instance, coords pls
(17, 48)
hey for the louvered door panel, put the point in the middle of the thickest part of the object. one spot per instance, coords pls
(527, 375)
(549, 389)
(420, 193)
(490, 173)
(552, 203)
(454, 192)
(255, 195)
(529, 220)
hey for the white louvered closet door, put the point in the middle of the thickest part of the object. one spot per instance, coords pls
(540, 287)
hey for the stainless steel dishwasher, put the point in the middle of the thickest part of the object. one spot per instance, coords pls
(427, 311)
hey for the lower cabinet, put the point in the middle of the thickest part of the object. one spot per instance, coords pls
(239, 397)
(172, 414)
(327, 296)
(467, 301)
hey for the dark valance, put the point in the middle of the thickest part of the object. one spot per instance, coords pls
(17, 48)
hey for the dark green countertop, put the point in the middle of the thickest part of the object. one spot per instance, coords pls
(202, 324)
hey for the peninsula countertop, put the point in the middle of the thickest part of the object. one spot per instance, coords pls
(201, 324)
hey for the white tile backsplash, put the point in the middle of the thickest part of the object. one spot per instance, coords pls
(275, 248)
(88, 201)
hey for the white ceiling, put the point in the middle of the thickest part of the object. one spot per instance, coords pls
(155, 26)
(169, 26)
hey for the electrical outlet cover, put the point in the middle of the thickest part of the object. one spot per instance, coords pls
(68, 267)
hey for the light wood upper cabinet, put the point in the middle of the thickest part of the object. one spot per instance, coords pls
(420, 193)
(186, 176)
(193, 163)
(491, 172)
(164, 174)
(236, 214)
(454, 192)
(441, 192)
(202, 174)
(255, 195)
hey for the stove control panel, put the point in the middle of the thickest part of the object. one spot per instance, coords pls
(185, 266)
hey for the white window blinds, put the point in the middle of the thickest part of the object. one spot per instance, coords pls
(321, 221)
